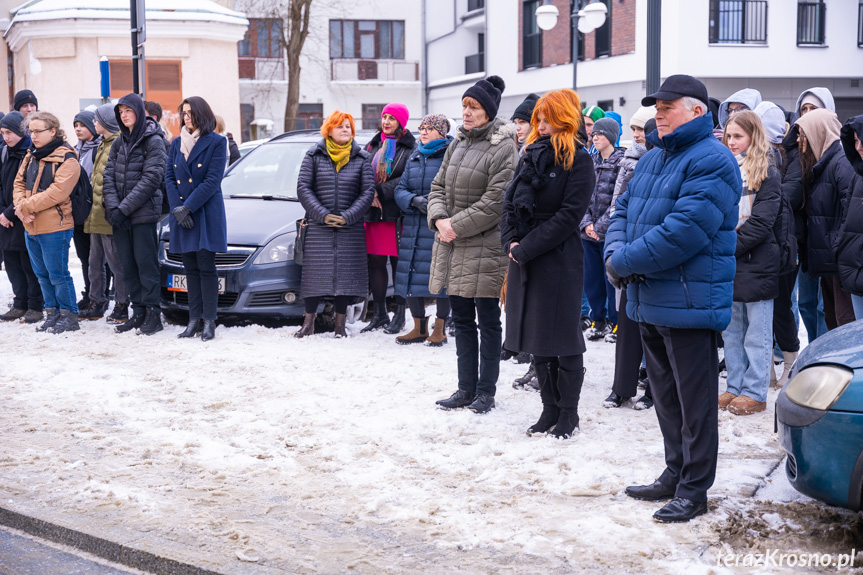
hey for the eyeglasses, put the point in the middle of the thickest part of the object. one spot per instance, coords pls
(738, 109)
(595, 134)
(185, 114)
(426, 130)
(32, 131)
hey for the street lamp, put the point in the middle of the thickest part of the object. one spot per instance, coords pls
(585, 21)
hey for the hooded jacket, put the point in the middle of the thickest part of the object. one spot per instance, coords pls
(606, 172)
(469, 188)
(828, 192)
(47, 197)
(747, 96)
(674, 227)
(134, 176)
(822, 94)
(624, 174)
(849, 248)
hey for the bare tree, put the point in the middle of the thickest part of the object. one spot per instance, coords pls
(295, 29)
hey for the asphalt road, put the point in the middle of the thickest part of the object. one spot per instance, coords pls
(29, 556)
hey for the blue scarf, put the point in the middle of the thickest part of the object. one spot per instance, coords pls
(432, 147)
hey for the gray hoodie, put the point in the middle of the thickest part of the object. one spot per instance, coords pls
(748, 96)
(822, 94)
(773, 119)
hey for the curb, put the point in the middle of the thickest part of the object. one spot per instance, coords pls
(121, 554)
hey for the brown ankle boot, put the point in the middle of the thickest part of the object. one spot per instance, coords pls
(340, 325)
(438, 335)
(308, 325)
(418, 334)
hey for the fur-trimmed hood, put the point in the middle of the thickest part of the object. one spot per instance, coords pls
(495, 131)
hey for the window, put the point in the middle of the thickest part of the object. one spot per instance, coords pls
(367, 39)
(603, 34)
(810, 22)
(860, 24)
(605, 105)
(738, 21)
(475, 5)
(163, 84)
(531, 49)
(247, 116)
(476, 62)
(310, 116)
(263, 39)
(372, 116)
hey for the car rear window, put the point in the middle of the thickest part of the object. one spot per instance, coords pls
(268, 170)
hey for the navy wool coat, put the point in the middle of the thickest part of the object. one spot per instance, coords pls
(197, 184)
(417, 240)
(334, 259)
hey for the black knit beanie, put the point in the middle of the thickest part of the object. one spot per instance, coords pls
(86, 118)
(24, 97)
(487, 92)
(525, 109)
(14, 122)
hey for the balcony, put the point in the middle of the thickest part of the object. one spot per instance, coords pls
(474, 63)
(738, 21)
(474, 18)
(810, 23)
(374, 71)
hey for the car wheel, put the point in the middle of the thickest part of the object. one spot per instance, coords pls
(175, 317)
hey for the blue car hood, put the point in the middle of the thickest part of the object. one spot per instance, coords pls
(842, 346)
(254, 222)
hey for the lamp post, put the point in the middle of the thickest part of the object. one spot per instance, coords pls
(585, 20)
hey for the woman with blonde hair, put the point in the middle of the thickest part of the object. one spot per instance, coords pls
(540, 231)
(749, 337)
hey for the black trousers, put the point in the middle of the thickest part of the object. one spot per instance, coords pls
(25, 284)
(784, 326)
(202, 282)
(627, 354)
(478, 352)
(417, 305)
(138, 248)
(682, 366)
(82, 250)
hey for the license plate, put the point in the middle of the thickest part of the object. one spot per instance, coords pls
(177, 282)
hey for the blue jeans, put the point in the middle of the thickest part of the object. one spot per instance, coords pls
(857, 302)
(811, 305)
(748, 348)
(600, 294)
(49, 256)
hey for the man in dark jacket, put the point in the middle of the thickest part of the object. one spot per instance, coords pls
(672, 241)
(132, 191)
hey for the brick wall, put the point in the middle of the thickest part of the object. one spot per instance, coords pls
(555, 42)
(623, 27)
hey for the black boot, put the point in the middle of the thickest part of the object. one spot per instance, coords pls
(134, 322)
(550, 411)
(569, 388)
(152, 322)
(397, 324)
(380, 319)
(209, 331)
(193, 329)
(525, 379)
(52, 316)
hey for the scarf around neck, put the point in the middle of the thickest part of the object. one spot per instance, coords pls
(85, 153)
(538, 159)
(46, 150)
(382, 163)
(744, 209)
(432, 147)
(188, 140)
(340, 154)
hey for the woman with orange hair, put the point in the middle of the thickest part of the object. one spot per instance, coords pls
(540, 231)
(336, 187)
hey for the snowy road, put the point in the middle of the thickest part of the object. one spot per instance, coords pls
(260, 453)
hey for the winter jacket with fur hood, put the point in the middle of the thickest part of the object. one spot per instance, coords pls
(469, 188)
(48, 199)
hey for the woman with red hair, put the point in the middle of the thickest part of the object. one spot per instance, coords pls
(540, 231)
(336, 187)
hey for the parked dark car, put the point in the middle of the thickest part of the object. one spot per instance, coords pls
(257, 274)
(819, 416)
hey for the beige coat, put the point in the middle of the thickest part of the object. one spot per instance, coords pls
(469, 188)
(52, 206)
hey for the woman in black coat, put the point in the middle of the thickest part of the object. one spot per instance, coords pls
(336, 188)
(540, 231)
(849, 248)
(27, 303)
(388, 151)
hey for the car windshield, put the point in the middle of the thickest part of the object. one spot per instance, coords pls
(268, 170)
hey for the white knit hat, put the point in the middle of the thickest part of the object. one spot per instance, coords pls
(641, 116)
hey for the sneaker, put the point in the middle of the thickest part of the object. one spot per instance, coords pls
(642, 403)
(482, 404)
(68, 322)
(13, 314)
(96, 310)
(642, 378)
(612, 337)
(614, 400)
(33, 316)
(600, 329)
(152, 322)
(585, 323)
(120, 313)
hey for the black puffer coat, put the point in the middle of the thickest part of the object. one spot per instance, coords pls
(386, 191)
(824, 208)
(757, 253)
(600, 202)
(849, 248)
(334, 259)
(11, 239)
(135, 173)
(792, 186)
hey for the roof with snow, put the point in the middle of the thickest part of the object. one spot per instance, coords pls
(199, 10)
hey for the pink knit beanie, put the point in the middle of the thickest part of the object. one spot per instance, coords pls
(398, 111)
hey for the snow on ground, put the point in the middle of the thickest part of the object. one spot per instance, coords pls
(261, 453)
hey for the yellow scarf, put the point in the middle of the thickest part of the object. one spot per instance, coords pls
(340, 154)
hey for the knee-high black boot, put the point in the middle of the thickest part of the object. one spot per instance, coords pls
(569, 389)
(550, 410)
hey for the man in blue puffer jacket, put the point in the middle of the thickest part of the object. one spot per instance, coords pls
(672, 241)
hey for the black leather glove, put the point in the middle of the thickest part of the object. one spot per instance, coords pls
(421, 203)
(613, 277)
(184, 217)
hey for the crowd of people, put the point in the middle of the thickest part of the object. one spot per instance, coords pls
(720, 225)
